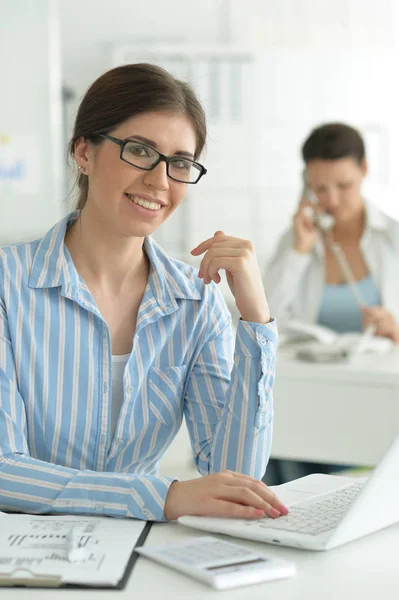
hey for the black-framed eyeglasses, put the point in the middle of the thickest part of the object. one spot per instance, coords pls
(144, 157)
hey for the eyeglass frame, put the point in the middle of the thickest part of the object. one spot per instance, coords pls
(161, 158)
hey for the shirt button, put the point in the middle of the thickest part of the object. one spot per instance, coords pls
(129, 389)
(262, 341)
(99, 507)
(120, 441)
(103, 438)
(146, 513)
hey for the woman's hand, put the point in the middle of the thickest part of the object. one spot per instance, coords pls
(225, 494)
(237, 257)
(384, 322)
(305, 230)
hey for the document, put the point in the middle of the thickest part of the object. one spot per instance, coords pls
(37, 549)
(363, 342)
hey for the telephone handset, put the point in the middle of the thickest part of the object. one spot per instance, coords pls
(323, 220)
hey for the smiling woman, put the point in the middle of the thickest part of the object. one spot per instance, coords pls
(130, 182)
(106, 342)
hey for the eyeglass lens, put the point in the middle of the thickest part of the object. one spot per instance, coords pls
(144, 157)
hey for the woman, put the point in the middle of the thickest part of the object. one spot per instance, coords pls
(105, 341)
(304, 280)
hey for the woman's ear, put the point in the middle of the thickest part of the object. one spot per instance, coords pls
(81, 154)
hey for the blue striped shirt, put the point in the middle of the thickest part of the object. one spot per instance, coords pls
(56, 450)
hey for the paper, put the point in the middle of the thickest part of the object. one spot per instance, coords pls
(38, 546)
(314, 336)
(304, 330)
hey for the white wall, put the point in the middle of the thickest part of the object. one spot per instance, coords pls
(90, 28)
(315, 61)
(31, 168)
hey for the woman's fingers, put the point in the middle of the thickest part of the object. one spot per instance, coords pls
(218, 247)
(225, 263)
(384, 322)
(218, 238)
(265, 495)
(384, 327)
(223, 508)
(260, 488)
(210, 256)
(245, 496)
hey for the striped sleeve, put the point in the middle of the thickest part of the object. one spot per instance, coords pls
(34, 486)
(229, 402)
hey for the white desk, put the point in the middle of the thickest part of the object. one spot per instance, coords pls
(345, 413)
(362, 570)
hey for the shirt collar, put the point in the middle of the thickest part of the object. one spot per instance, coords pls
(52, 264)
(375, 221)
(169, 278)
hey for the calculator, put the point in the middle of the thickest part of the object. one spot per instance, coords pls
(218, 563)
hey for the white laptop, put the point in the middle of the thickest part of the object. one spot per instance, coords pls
(325, 511)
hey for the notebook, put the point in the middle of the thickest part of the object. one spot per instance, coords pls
(35, 550)
(325, 511)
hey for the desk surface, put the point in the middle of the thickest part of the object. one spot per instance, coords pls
(362, 570)
(381, 369)
(341, 413)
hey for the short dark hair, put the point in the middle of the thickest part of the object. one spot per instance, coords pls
(130, 90)
(333, 141)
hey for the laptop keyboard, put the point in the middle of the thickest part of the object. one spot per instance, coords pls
(315, 518)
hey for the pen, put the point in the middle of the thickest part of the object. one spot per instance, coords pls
(76, 552)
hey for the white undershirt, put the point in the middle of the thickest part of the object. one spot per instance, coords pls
(118, 369)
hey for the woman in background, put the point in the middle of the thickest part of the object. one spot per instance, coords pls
(304, 281)
(105, 341)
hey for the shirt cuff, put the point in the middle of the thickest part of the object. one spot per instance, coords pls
(148, 497)
(256, 339)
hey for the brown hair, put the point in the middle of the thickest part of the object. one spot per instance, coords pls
(333, 141)
(124, 92)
